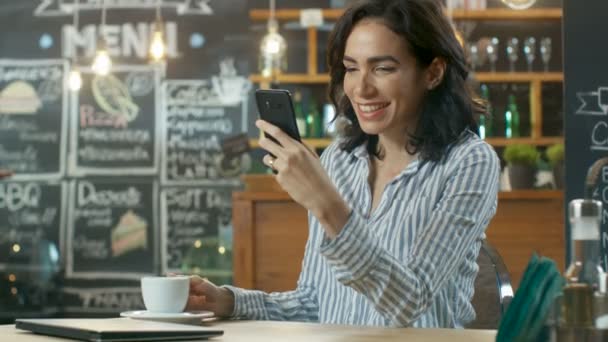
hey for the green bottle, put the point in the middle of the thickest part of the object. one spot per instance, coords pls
(300, 117)
(313, 120)
(512, 108)
(482, 126)
(489, 124)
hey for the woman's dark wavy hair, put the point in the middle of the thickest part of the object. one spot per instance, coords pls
(447, 110)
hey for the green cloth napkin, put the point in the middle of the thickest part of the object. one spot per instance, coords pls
(541, 285)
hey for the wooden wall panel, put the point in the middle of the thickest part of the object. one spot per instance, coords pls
(522, 227)
(282, 230)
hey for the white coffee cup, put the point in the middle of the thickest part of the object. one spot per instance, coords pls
(165, 294)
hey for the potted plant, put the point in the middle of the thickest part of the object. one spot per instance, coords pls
(521, 160)
(555, 155)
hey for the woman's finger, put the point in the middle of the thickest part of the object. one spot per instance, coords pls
(271, 146)
(269, 161)
(283, 138)
(196, 303)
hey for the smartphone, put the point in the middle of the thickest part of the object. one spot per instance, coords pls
(276, 107)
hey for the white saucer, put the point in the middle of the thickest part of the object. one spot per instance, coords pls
(188, 317)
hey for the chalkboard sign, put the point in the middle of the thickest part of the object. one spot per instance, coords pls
(31, 214)
(192, 219)
(199, 114)
(111, 229)
(114, 131)
(132, 162)
(101, 299)
(33, 117)
(586, 102)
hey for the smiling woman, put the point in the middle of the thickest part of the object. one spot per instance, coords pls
(399, 205)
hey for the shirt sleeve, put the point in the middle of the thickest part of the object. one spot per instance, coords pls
(401, 290)
(298, 305)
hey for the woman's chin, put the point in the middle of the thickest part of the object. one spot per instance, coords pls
(372, 128)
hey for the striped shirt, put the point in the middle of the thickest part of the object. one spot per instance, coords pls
(410, 262)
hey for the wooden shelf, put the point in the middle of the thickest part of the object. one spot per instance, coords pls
(542, 141)
(496, 142)
(531, 194)
(293, 78)
(487, 14)
(314, 143)
(519, 76)
(480, 76)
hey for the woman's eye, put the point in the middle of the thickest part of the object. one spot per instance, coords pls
(349, 69)
(385, 69)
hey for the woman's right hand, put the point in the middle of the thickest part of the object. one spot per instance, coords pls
(204, 295)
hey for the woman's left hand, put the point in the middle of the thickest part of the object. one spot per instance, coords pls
(302, 176)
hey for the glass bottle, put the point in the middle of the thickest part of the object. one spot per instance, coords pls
(485, 94)
(300, 117)
(313, 120)
(482, 126)
(512, 107)
(585, 263)
(585, 278)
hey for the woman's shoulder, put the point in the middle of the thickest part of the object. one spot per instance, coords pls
(470, 145)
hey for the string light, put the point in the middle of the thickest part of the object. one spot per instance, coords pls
(102, 62)
(157, 47)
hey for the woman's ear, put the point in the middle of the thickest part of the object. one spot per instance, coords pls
(434, 73)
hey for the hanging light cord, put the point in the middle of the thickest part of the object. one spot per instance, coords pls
(272, 9)
(103, 14)
(158, 10)
(75, 23)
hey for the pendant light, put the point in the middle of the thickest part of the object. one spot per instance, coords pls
(273, 48)
(157, 46)
(102, 62)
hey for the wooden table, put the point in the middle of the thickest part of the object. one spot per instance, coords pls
(258, 331)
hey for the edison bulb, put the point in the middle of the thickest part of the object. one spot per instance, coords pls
(74, 80)
(102, 63)
(273, 44)
(157, 47)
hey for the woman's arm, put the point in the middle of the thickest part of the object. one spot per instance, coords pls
(401, 290)
(298, 305)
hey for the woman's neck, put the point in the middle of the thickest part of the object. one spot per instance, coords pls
(394, 153)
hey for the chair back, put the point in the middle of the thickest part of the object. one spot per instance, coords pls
(493, 291)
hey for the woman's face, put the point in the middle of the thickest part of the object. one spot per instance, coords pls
(382, 81)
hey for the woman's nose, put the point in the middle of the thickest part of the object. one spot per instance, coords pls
(365, 86)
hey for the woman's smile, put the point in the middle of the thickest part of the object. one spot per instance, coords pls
(372, 111)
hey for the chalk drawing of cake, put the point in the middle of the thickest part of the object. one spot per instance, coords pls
(19, 97)
(130, 234)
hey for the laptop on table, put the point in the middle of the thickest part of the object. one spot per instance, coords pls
(115, 329)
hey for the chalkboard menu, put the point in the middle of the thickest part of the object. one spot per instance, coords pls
(33, 117)
(31, 214)
(199, 114)
(111, 231)
(192, 219)
(114, 131)
(586, 100)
